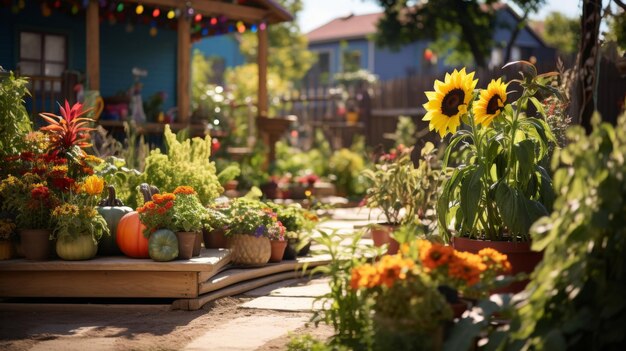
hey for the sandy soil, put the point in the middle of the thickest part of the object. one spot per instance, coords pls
(119, 329)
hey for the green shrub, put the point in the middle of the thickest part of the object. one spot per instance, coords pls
(185, 163)
(14, 120)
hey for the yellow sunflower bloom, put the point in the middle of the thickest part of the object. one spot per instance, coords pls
(93, 185)
(490, 103)
(449, 101)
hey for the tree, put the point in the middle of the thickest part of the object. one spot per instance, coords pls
(470, 22)
(562, 32)
(288, 52)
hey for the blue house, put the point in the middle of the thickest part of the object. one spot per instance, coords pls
(345, 44)
(99, 42)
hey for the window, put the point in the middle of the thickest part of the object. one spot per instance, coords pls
(351, 60)
(43, 54)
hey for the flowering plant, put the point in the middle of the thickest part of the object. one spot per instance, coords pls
(253, 217)
(178, 211)
(7, 227)
(402, 191)
(78, 214)
(500, 186)
(30, 199)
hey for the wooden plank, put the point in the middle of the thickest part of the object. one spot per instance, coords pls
(197, 303)
(210, 260)
(92, 22)
(184, 69)
(98, 284)
(236, 275)
(262, 64)
(82, 307)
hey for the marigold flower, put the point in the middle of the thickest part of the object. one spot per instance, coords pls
(436, 255)
(184, 189)
(169, 197)
(93, 185)
(150, 205)
(161, 210)
(40, 192)
(63, 184)
(169, 205)
(495, 260)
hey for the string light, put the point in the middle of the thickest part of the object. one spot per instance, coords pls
(74, 9)
(171, 14)
(241, 27)
(139, 9)
(120, 7)
(198, 18)
(262, 26)
(156, 13)
(253, 28)
(213, 21)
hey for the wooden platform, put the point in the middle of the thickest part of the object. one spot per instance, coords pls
(192, 282)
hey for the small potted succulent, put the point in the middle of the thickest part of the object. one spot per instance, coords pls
(251, 224)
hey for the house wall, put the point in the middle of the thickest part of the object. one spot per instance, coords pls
(120, 50)
(225, 46)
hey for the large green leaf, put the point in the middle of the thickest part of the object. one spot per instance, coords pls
(518, 213)
(471, 191)
(525, 155)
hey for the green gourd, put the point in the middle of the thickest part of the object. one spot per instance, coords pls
(163, 245)
(112, 209)
(81, 247)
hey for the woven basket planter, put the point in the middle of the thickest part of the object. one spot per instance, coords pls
(249, 250)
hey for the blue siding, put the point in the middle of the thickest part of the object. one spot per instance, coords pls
(390, 64)
(225, 46)
(120, 51)
(333, 48)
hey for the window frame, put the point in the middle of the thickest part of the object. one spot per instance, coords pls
(43, 61)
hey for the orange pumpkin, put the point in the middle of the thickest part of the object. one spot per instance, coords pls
(129, 236)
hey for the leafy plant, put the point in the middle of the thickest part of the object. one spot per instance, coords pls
(185, 162)
(68, 130)
(252, 217)
(576, 299)
(344, 309)
(501, 187)
(14, 120)
(346, 166)
(405, 132)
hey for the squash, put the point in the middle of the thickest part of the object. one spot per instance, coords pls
(130, 238)
(112, 209)
(81, 247)
(163, 245)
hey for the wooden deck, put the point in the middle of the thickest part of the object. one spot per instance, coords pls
(191, 282)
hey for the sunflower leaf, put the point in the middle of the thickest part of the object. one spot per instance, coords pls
(471, 190)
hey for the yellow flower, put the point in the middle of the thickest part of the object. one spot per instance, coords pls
(490, 103)
(449, 101)
(93, 185)
(65, 210)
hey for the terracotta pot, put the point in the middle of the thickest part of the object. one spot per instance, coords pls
(278, 250)
(197, 245)
(215, 239)
(231, 185)
(186, 242)
(381, 235)
(36, 244)
(249, 250)
(521, 257)
(6, 249)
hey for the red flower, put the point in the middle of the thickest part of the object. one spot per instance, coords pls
(27, 156)
(63, 184)
(40, 193)
(169, 205)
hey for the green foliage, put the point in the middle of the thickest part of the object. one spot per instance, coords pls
(297, 162)
(346, 166)
(562, 32)
(14, 120)
(405, 131)
(400, 190)
(252, 167)
(344, 308)
(309, 343)
(617, 30)
(576, 299)
(501, 187)
(185, 163)
(251, 217)
(125, 180)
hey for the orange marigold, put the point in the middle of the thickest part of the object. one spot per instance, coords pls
(161, 210)
(466, 266)
(435, 255)
(157, 198)
(169, 205)
(169, 197)
(184, 189)
(495, 260)
(150, 205)
(364, 276)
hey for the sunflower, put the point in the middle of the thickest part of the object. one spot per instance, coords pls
(449, 101)
(490, 103)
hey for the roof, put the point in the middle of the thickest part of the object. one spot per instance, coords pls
(349, 27)
(360, 26)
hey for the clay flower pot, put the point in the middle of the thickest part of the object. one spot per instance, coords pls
(186, 242)
(215, 239)
(278, 250)
(197, 245)
(6, 250)
(36, 244)
(381, 235)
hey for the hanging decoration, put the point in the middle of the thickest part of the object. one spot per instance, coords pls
(131, 14)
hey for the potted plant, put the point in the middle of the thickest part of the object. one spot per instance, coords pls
(298, 224)
(78, 225)
(7, 227)
(402, 191)
(31, 201)
(216, 221)
(180, 212)
(251, 222)
(500, 186)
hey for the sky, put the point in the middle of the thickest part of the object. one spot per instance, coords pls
(319, 12)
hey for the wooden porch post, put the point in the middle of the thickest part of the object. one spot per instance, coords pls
(92, 23)
(184, 69)
(262, 63)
